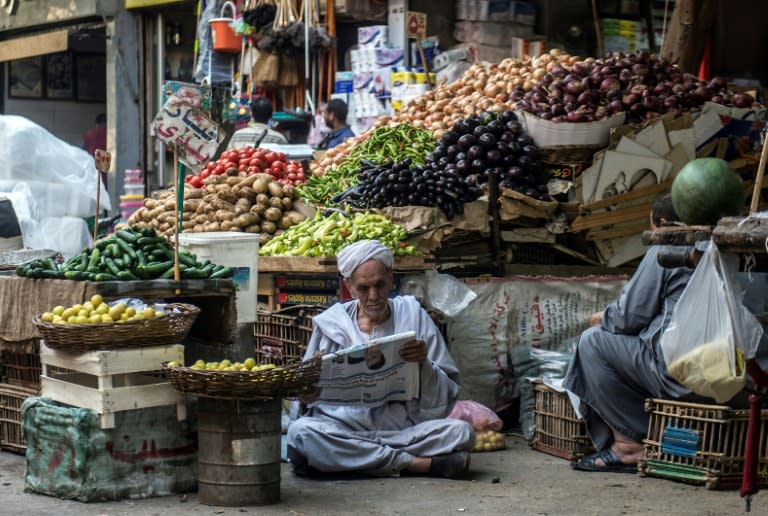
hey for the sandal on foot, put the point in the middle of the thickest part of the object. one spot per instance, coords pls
(612, 463)
(450, 465)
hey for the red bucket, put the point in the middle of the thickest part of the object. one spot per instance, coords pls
(225, 39)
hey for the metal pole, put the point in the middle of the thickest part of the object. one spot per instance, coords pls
(308, 104)
(160, 79)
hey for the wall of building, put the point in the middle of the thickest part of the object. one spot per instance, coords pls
(67, 120)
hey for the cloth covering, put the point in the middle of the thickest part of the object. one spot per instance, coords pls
(618, 364)
(354, 255)
(384, 440)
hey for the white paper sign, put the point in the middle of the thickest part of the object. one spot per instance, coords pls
(183, 126)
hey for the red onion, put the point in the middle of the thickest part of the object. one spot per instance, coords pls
(611, 83)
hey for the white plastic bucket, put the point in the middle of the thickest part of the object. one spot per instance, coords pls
(239, 251)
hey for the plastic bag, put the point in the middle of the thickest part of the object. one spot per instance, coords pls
(711, 333)
(479, 416)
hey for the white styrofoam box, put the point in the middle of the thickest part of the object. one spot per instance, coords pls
(546, 133)
(373, 36)
(491, 33)
(389, 57)
(240, 251)
(523, 12)
(453, 55)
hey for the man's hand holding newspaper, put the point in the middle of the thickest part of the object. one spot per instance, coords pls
(371, 373)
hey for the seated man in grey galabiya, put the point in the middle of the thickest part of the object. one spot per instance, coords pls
(400, 436)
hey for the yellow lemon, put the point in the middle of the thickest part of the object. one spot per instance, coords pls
(129, 310)
(106, 319)
(255, 369)
(200, 363)
(47, 317)
(249, 363)
(59, 320)
(81, 319)
(114, 313)
(83, 313)
(88, 306)
(71, 319)
(95, 319)
(238, 365)
(173, 363)
(198, 367)
(268, 366)
(58, 310)
(77, 307)
(159, 314)
(149, 313)
(96, 300)
(137, 317)
(102, 309)
(67, 313)
(226, 362)
(124, 317)
(212, 365)
(122, 307)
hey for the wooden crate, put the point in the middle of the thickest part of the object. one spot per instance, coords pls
(11, 398)
(112, 381)
(21, 368)
(700, 444)
(281, 336)
(557, 430)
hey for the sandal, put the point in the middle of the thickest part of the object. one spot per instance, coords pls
(450, 465)
(612, 463)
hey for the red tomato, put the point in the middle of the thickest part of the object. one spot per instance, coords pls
(249, 151)
(259, 154)
(259, 163)
(205, 173)
(252, 170)
(280, 156)
(241, 168)
(219, 170)
(196, 181)
(271, 157)
(291, 176)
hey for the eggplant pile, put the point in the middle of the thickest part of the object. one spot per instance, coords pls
(640, 84)
(403, 184)
(492, 143)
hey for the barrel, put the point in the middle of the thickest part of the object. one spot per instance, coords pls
(239, 452)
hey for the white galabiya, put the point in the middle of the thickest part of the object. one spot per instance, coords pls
(396, 437)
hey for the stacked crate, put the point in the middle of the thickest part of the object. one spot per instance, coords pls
(20, 380)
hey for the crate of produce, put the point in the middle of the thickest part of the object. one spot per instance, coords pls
(110, 381)
(557, 429)
(281, 336)
(11, 398)
(700, 444)
(21, 368)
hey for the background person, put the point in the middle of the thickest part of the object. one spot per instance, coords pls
(96, 138)
(258, 130)
(335, 116)
(413, 435)
(618, 362)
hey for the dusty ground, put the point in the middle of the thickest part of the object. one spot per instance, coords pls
(516, 481)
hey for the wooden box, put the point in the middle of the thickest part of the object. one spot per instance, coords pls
(557, 429)
(11, 398)
(112, 381)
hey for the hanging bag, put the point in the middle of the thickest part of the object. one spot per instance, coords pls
(711, 334)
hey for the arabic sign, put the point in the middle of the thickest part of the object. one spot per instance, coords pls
(183, 126)
(416, 25)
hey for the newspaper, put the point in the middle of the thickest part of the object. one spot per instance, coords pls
(369, 374)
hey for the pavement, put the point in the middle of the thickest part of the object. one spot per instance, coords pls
(517, 480)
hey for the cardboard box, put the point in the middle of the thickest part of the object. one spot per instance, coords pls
(304, 283)
(373, 36)
(344, 82)
(388, 57)
(522, 47)
(546, 133)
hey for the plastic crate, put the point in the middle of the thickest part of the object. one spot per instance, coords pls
(700, 444)
(557, 430)
(281, 336)
(11, 398)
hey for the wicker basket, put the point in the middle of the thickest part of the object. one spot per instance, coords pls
(557, 430)
(280, 382)
(569, 154)
(79, 338)
(281, 337)
(700, 444)
(11, 434)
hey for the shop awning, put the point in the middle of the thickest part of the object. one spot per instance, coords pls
(30, 46)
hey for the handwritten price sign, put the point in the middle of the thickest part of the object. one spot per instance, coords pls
(183, 126)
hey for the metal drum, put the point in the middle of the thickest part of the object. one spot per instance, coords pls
(239, 452)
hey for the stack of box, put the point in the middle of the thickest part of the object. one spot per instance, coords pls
(133, 198)
(624, 35)
(495, 29)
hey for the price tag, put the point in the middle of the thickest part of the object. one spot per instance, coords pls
(103, 160)
(416, 25)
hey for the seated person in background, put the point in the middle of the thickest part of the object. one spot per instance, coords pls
(619, 363)
(258, 131)
(412, 436)
(335, 116)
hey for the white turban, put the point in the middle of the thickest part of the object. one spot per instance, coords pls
(354, 255)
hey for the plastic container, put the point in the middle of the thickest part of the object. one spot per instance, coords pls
(134, 189)
(240, 251)
(224, 38)
(133, 175)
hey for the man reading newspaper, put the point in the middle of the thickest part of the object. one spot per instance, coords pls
(397, 436)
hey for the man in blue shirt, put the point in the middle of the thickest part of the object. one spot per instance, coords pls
(335, 117)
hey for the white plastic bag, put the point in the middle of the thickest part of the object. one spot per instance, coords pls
(711, 333)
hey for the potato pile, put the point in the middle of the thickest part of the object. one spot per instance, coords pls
(481, 88)
(253, 204)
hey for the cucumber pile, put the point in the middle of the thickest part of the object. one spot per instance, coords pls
(134, 254)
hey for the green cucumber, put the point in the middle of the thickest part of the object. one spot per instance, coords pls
(153, 269)
(168, 274)
(127, 236)
(112, 266)
(188, 259)
(93, 262)
(224, 272)
(127, 276)
(103, 276)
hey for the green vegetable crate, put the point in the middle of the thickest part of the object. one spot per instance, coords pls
(557, 429)
(700, 444)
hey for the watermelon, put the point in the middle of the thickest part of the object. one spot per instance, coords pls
(705, 190)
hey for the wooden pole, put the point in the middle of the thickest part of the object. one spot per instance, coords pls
(598, 34)
(759, 176)
(424, 62)
(176, 270)
(98, 205)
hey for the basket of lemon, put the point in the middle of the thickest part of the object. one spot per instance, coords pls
(96, 325)
(244, 381)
